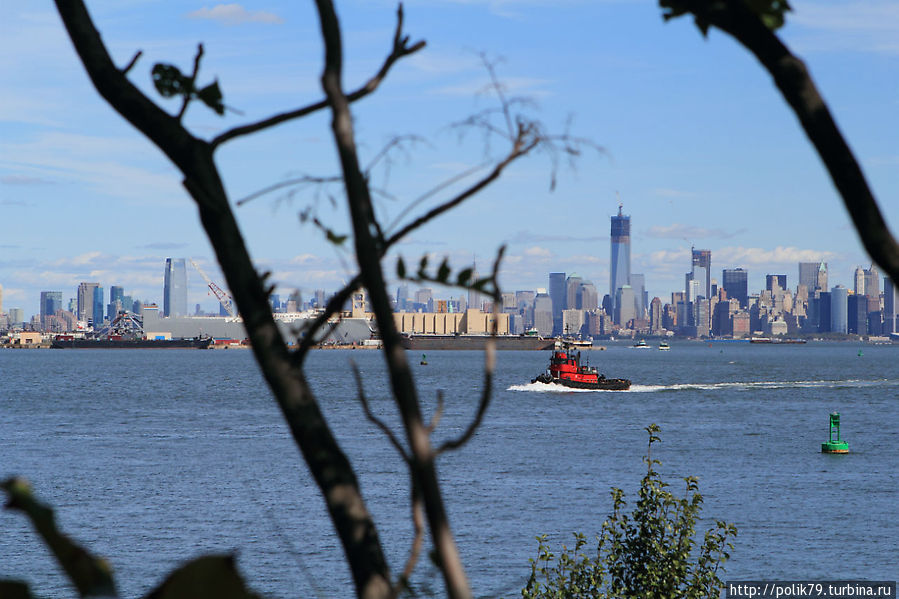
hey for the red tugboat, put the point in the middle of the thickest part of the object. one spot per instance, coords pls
(565, 369)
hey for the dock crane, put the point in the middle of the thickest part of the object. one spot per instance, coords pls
(224, 299)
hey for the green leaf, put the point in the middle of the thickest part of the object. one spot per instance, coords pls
(400, 268)
(211, 95)
(335, 238)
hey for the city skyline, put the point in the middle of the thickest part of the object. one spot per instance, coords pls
(698, 146)
(89, 297)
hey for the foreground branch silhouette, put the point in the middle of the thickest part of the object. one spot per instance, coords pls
(282, 367)
(753, 25)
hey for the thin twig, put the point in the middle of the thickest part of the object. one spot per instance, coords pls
(516, 152)
(335, 303)
(401, 48)
(131, 64)
(193, 79)
(418, 522)
(438, 412)
(489, 365)
(441, 186)
(287, 183)
(374, 419)
(498, 89)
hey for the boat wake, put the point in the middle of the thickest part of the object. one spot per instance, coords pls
(734, 386)
(554, 388)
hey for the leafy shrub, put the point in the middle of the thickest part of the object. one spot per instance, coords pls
(649, 553)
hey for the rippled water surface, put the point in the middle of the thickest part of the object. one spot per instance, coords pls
(153, 457)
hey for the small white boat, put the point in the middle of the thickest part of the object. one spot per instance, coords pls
(641, 344)
(663, 346)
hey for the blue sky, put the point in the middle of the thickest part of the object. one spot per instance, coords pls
(698, 145)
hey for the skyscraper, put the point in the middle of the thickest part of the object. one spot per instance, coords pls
(51, 301)
(620, 258)
(890, 306)
(98, 307)
(572, 284)
(174, 297)
(736, 284)
(814, 276)
(872, 282)
(587, 296)
(702, 270)
(857, 315)
(558, 295)
(402, 296)
(116, 302)
(85, 304)
(638, 284)
(839, 309)
(859, 281)
(543, 313)
(626, 306)
(655, 316)
(781, 281)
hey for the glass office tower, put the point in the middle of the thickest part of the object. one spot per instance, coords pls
(175, 291)
(620, 262)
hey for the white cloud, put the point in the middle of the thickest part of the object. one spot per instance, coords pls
(305, 259)
(96, 162)
(538, 252)
(778, 256)
(234, 14)
(79, 260)
(665, 257)
(862, 25)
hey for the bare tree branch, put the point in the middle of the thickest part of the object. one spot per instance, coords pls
(286, 183)
(368, 252)
(438, 412)
(418, 523)
(436, 189)
(518, 151)
(489, 365)
(335, 303)
(374, 419)
(400, 49)
(193, 81)
(327, 463)
(799, 90)
(483, 404)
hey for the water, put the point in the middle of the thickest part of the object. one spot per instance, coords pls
(153, 457)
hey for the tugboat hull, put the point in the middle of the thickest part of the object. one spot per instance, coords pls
(600, 385)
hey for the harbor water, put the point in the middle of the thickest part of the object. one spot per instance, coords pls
(152, 457)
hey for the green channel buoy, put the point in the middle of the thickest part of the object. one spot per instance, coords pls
(835, 445)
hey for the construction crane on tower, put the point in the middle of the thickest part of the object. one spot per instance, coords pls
(224, 299)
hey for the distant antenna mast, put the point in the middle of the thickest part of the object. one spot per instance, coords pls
(222, 296)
